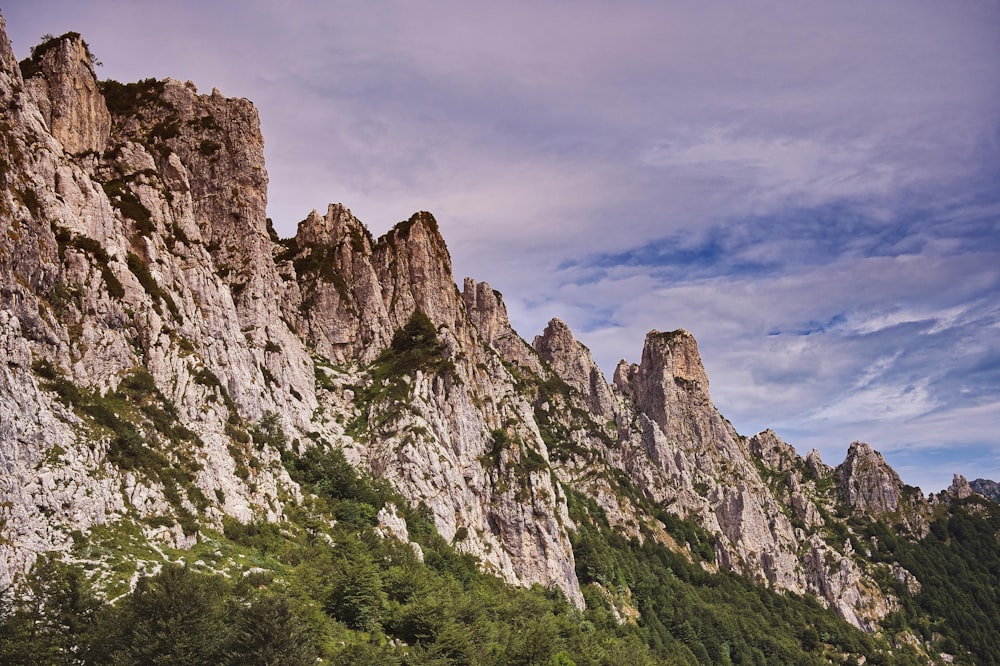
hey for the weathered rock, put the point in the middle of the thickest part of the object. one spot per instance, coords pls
(573, 363)
(986, 488)
(960, 488)
(489, 315)
(155, 256)
(866, 482)
(66, 93)
(815, 464)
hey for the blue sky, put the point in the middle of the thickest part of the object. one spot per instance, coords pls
(812, 189)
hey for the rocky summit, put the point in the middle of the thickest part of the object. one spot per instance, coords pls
(170, 367)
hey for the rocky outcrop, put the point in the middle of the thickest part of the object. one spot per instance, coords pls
(489, 315)
(986, 488)
(870, 488)
(866, 483)
(330, 264)
(573, 363)
(138, 258)
(758, 496)
(794, 474)
(66, 93)
(355, 292)
(960, 488)
(671, 387)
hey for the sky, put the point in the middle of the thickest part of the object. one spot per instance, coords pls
(811, 188)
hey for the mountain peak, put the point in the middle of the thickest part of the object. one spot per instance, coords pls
(986, 488)
(337, 224)
(867, 483)
(574, 364)
(60, 77)
(173, 367)
(677, 352)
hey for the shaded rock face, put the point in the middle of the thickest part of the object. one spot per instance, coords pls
(866, 482)
(489, 315)
(986, 488)
(137, 249)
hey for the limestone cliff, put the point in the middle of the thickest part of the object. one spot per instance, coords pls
(165, 355)
(573, 363)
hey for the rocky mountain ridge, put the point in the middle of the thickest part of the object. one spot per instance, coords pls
(986, 488)
(165, 351)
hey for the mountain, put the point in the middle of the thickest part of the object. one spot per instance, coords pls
(181, 385)
(986, 488)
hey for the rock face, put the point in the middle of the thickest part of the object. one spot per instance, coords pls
(960, 487)
(139, 277)
(986, 488)
(867, 483)
(573, 363)
(67, 95)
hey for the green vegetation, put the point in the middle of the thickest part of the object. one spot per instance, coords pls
(67, 239)
(32, 65)
(141, 428)
(557, 417)
(414, 347)
(178, 616)
(317, 262)
(958, 566)
(125, 99)
(691, 616)
(122, 198)
(323, 585)
(169, 128)
(402, 229)
(311, 588)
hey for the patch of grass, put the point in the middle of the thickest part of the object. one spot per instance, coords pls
(143, 428)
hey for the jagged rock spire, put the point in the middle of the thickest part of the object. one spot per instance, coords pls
(574, 364)
(959, 487)
(66, 92)
(488, 313)
(867, 483)
(671, 386)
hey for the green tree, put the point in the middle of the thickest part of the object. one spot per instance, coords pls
(356, 597)
(176, 617)
(268, 632)
(50, 619)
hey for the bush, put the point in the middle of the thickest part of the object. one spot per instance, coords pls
(130, 206)
(124, 99)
